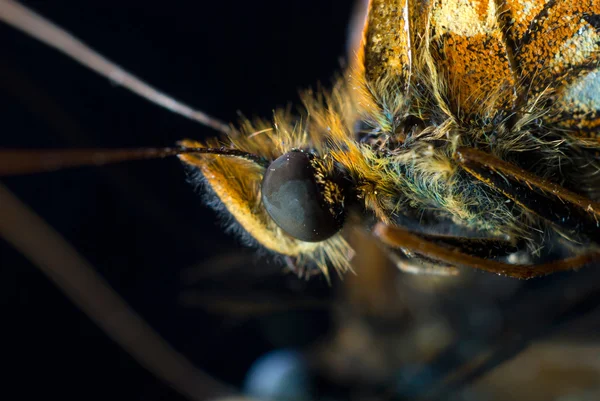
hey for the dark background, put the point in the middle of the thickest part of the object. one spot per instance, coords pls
(141, 224)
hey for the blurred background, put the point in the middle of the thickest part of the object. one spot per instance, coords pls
(378, 335)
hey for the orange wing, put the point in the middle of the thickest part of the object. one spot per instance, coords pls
(484, 58)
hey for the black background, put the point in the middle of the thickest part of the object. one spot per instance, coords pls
(141, 224)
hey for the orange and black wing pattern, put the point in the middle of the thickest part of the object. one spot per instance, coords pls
(485, 57)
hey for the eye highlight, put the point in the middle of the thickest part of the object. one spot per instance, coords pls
(301, 199)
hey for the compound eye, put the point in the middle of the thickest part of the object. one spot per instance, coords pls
(301, 201)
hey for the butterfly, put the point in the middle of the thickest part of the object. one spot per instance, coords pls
(421, 135)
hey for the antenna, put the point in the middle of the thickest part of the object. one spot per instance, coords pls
(25, 20)
(20, 161)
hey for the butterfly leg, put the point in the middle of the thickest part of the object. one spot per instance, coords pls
(412, 265)
(398, 237)
(538, 196)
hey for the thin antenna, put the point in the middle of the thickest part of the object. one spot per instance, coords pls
(20, 161)
(35, 25)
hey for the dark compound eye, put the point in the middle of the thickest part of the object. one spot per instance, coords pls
(301, 199)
